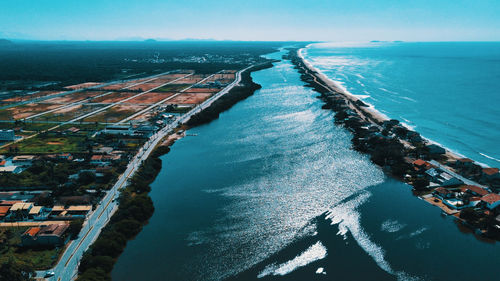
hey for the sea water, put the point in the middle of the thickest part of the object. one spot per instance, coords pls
(449, 92)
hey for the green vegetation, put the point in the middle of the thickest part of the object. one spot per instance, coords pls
(134, 210)
(48, 143)
(172, 87)
(36, 258)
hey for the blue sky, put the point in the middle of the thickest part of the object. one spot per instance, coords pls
(333, 20)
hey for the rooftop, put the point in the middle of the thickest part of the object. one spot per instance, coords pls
(491, 198)
(490, 171)
(477, 189)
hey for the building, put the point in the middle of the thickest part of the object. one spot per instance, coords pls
(476, 190)
(436, 149)
(118, 130)
(70, 212)
(11, 169)
(489, 174)
(4, 210)
(35, 212)
(464, 164)
(23, 160)
(443, 193)
(7, 135)
(491, 200)
(51, 235)
(421, 165)
(23, 208)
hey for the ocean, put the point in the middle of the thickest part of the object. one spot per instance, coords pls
(449, 92)
(273, 191)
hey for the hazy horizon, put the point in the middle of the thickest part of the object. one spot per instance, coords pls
(278, 20)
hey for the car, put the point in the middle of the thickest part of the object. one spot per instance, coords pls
(49, 274)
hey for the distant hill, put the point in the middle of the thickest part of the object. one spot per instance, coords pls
(5, 42)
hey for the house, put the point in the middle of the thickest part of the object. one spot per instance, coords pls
(11, 169)
(489, 174)
(73, 130)
(70, 212)
(22, 208)
(464, 164)
(51, 235)
(35, 212)
(65, 156)
(4, 210)
(436, 149)
(118, 130)
(2, 163)
(476, 190)
(421, 165)
(491, 200)
(23, 160)
(449, 180)
(99, 160)
(443, 193)
(7, 135)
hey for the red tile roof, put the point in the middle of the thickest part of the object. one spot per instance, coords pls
(96, 157)
(2, 163)
(491, 198)
(477, 189)
(32, 231)
(419, 162)
(443, 190)
(490, 171)
(465, 160)
(4, 210)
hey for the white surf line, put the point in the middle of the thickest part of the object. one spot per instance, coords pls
(98, 96)
(122, 101)
(164, 100)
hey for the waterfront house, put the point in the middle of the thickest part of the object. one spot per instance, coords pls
(443, 193)
(491, 200)
(51, 235)
(436, 149)
(421, 165)
(449, 180)
(476, 190)
(464, 163)
(489, 174)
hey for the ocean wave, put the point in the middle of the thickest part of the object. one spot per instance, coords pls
(489, 157)
(312, 254)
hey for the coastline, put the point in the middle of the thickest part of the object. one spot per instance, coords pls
(370, 109)
(400, 152)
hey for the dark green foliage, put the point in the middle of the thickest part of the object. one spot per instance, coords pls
(75, 226)
(14, 270)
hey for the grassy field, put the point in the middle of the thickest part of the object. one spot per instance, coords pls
(49, 144)
(40, 259)
(172, 88)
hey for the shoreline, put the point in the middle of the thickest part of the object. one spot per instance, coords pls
(148, 171)
(379, 117)
(400, 153)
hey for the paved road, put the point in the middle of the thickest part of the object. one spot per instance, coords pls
(66, 268)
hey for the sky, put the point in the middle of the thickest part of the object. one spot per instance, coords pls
(261, 20)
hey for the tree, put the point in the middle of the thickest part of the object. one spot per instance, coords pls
(86, 178)
(13, 270)
(75, 227)
(420, 183)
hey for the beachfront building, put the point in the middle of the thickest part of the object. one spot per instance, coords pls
(436, 149)
(490, 175)
(51, 235)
